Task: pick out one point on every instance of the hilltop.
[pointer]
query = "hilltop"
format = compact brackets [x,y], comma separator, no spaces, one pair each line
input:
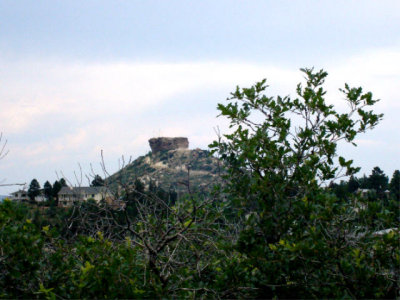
[171,165]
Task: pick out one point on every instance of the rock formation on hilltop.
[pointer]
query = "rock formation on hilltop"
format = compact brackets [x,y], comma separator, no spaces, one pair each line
[171,165]
[167,143]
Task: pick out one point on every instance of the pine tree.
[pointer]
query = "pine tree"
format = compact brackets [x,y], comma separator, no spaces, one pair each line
[34,189]
[48,190]
[378,181]
[57,185]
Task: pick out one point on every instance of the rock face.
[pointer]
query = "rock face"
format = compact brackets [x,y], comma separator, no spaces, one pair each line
[166,144]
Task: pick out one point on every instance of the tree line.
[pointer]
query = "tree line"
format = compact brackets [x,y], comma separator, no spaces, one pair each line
[50,192]
[377,185]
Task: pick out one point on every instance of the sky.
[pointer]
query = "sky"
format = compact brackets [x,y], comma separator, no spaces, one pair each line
[81,77]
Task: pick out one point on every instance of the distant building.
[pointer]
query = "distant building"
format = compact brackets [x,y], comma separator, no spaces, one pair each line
[19,196]
[22,196]
[67,196]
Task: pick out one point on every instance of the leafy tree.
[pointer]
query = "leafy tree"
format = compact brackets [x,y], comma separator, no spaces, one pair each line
[273,159]
[34,189]
[48,190]
[395,185]
[378,181]
[97,181]
[295,238]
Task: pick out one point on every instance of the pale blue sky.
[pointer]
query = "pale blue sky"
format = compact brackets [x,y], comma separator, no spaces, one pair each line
[257,31]
[80,76]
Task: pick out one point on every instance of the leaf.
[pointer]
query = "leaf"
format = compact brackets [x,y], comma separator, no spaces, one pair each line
[187,223]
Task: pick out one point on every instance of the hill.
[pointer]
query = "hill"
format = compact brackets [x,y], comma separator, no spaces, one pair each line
[171,165]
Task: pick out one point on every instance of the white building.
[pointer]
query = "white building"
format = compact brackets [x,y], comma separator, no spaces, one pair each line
[19,196]
[22,196]
[67,196]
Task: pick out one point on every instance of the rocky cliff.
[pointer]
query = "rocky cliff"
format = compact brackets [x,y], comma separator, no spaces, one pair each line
[167,143]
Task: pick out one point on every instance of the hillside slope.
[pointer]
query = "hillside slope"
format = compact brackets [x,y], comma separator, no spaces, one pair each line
[171,166]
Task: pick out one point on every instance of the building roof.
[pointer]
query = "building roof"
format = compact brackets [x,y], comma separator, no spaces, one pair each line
[66,190]
[17,192]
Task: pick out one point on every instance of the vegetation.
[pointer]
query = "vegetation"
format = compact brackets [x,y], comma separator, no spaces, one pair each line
[279,226]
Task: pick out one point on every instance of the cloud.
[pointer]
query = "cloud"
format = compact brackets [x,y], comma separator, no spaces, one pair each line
[80,92]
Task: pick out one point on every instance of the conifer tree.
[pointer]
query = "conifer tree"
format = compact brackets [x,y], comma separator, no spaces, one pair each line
[48,190]
[34,189]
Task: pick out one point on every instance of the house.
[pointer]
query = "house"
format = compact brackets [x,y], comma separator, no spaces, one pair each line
[20,196]
[67,196]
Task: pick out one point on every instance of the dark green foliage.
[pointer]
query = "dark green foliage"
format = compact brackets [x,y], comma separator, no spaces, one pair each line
[341,190]
[35,263]
[63,182]
[34,189]
[48,190]
[39,262]
[395,185]
[97,181]
[372,186]
[378,181]
[364,182]
[56,188]
[21,246]
[57,185]
[353,184]
[135,194]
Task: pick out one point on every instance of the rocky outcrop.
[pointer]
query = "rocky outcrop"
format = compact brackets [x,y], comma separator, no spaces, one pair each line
[172,170]
[166,144]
